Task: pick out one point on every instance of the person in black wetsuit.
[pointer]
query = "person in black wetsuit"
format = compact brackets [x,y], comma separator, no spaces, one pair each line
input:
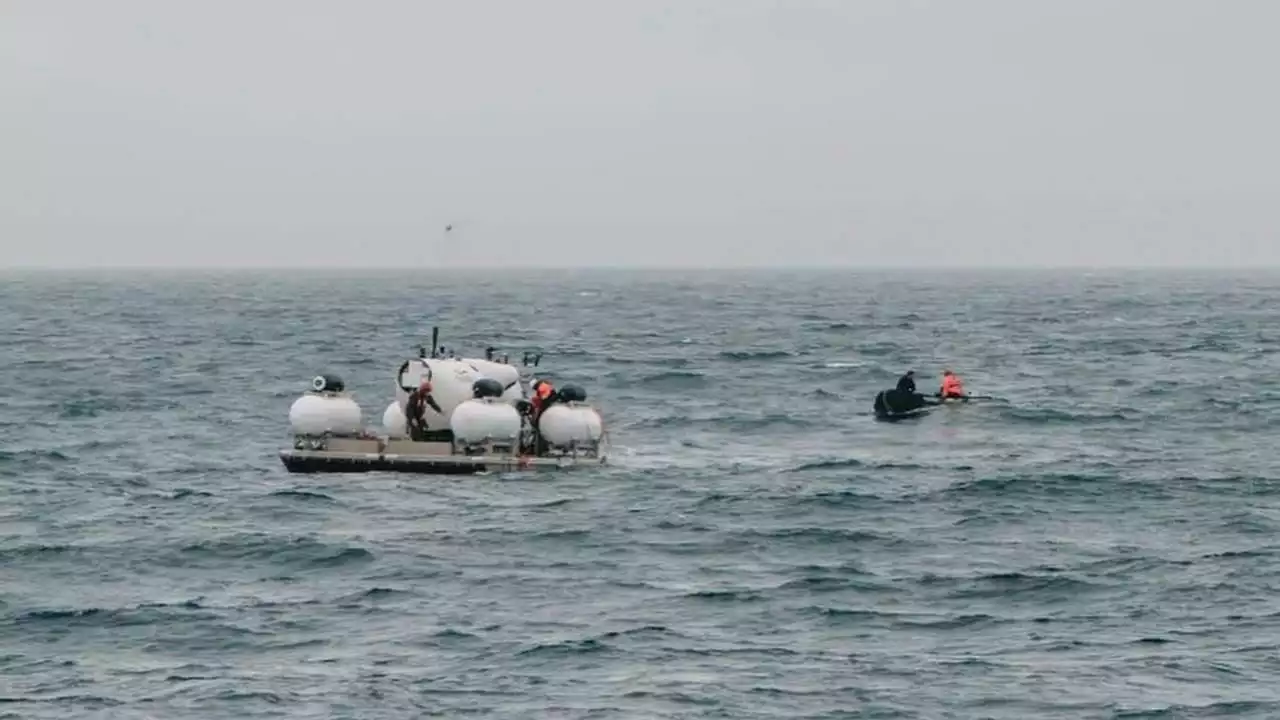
[904,397]
[415,411]
[907,383]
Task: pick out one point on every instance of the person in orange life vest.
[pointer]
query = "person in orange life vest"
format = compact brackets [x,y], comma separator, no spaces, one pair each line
[951,386]
[543,395]
[415,410]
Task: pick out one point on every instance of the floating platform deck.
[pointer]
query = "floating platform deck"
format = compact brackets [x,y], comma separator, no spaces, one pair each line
[360,455]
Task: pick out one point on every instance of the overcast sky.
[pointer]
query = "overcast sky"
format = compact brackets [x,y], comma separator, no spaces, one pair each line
[645,132]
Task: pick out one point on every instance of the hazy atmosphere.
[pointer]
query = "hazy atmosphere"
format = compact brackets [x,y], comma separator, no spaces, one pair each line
[681,133]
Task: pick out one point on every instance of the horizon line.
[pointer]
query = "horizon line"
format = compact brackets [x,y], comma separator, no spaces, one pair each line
[311,269]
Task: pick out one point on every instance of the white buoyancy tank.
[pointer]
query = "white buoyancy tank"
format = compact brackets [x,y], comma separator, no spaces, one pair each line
[317,414]
[476,421]
[393,421]
[513,395]
[506,374]
[451,382]
[571,424]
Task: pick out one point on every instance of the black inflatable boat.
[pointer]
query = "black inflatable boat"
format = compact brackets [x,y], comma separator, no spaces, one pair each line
[892,405]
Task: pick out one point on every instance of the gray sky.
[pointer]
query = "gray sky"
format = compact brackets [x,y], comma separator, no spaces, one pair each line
[607,132]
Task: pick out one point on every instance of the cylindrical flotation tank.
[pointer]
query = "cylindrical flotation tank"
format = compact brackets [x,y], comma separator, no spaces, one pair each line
[503,373]
[451,382]
[393,421]
[314,414]
[477,421]
[513,394]
[572,424]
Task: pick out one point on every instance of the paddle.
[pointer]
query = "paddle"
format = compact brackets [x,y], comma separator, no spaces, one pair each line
[967,398]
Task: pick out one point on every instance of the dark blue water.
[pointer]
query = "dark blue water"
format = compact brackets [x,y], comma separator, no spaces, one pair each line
[1102,545]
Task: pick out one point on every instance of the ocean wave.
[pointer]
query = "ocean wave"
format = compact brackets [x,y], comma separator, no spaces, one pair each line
[589,646]
[283,551]
[824,536]
[1013,585]
[726,595]
[303,495]
[65,619]
[1053,484]
[755,355]
[15,456]
[1224,709]
[665,361]
[1052,416]
[727,423]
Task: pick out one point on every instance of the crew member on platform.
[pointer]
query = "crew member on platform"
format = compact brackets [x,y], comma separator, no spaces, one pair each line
[544,393]
[415,410]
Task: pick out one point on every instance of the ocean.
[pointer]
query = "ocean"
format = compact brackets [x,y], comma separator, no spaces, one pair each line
[1100,543]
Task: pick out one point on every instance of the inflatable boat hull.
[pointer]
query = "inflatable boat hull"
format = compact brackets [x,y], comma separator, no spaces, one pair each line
[905,415]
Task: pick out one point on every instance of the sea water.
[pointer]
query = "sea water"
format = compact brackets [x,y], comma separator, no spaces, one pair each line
[1099,543]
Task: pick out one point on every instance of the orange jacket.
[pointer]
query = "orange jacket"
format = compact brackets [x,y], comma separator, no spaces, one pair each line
[951,386]
[540,396]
